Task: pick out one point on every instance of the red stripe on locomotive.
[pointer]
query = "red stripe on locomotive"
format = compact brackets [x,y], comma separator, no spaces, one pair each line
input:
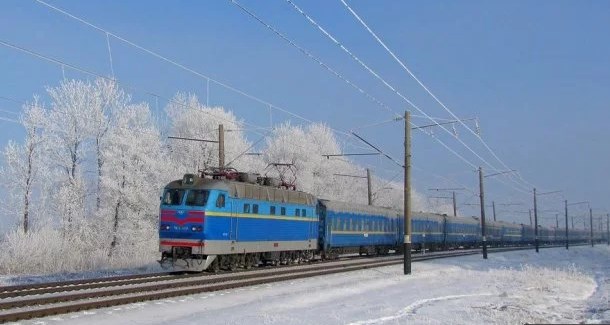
[192,217]
[181,243]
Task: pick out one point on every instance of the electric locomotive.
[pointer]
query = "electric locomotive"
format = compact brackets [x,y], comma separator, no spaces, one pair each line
[221,219]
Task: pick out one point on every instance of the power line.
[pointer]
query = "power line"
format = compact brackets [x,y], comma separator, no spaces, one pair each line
[317,60]
[371,71]
[419,81]
[182,66]
[108,33]
[155,54]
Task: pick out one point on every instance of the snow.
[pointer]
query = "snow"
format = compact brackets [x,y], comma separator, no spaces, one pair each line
[554,286]
[10,280]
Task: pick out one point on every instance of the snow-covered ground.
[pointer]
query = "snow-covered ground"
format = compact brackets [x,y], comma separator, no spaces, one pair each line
[554,286]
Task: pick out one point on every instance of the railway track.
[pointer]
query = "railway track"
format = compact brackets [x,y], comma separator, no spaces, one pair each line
[40,300]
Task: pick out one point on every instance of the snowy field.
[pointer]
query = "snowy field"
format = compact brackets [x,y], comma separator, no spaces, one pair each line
[555,286]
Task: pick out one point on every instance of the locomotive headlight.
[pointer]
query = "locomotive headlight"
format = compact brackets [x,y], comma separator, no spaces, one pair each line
[197,228]
[164,227]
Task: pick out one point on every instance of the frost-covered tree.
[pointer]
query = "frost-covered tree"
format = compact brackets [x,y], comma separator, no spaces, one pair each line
[23,166]
[74,107]
[113,99]
[131,176]
[191,119]
[304,147]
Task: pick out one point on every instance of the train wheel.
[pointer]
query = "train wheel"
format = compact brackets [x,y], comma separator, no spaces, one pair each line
[215,267]
[248,261]
[232,262]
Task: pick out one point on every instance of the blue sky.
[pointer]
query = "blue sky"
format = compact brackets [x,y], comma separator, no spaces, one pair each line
[535,73]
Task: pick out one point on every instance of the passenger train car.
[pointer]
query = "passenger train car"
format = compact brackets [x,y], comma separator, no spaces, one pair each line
[225,220]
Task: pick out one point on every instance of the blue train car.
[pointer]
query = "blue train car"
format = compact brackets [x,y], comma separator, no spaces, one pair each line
[511,233]
[356,228]
[493,233]
[222,224]
[500,233]
[545,235]
[428,230]
[462,232]
[527,234]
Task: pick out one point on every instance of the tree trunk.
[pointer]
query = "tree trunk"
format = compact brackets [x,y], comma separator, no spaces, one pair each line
[26,195]
[115,227]
[99,174]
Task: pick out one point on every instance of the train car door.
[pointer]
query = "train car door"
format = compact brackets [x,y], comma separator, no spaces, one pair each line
[323,227]
[234,207]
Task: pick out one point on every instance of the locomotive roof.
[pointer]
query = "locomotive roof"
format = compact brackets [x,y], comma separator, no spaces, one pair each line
[247,190]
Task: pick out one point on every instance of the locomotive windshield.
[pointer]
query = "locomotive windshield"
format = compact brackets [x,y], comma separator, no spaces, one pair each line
[172,197]
[197,197]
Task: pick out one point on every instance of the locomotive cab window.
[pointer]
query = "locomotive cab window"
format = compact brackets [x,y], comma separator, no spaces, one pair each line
[304,214]
[172,197]
[246,208]
[272,210]
[297,212]
[283,211]
[220,201]
[255,208]
[197,198]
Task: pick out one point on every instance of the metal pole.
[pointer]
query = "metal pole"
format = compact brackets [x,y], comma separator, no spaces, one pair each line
[407,195]
[368,181]
[493,204]
[221,146]
[567,239]
[482,197]
[572,217]
[591,224]
[454,206]
[556,221]
[531,222]
[535,221]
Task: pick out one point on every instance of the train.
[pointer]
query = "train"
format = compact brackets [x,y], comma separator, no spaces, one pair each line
[221,219]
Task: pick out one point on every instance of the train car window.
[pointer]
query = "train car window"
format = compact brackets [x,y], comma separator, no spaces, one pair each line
[272,210]
[255,208]
[351,225]
[173,197]
[246,208]
[297,212]
[220,201]
[283,211]
[304,214]
[197,197]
